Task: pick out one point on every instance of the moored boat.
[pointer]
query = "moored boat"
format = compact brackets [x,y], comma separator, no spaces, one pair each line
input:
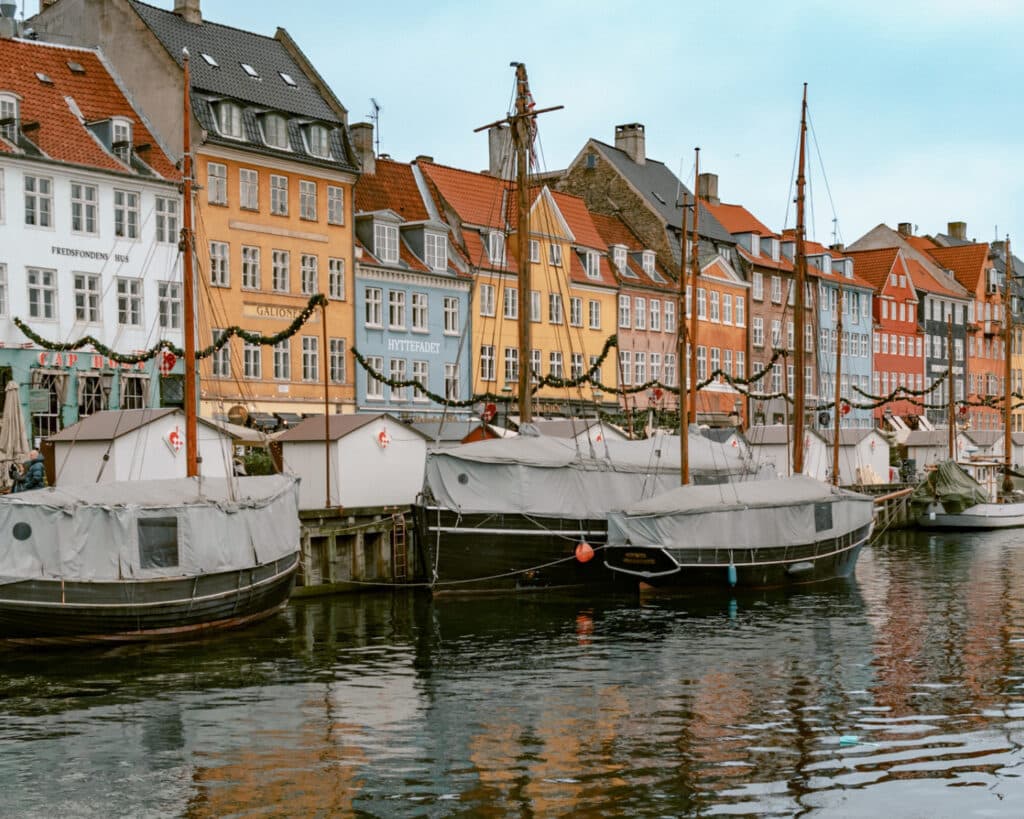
[145,560]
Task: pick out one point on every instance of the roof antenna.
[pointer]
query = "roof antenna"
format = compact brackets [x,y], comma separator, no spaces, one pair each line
[375,119]
[835,230]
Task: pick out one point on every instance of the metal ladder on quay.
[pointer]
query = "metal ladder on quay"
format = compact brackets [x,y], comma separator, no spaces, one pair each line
[399,548]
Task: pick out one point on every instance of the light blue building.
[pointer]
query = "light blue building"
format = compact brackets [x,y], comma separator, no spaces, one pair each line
[411,296]
[839,289]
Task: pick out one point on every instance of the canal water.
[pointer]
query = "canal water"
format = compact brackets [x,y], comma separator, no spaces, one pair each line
[898,693]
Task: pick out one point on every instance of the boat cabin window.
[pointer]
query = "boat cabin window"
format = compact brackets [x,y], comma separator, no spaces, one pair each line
[158,543]
[822,517]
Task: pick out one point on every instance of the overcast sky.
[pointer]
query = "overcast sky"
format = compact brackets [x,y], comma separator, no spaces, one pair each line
[916,105]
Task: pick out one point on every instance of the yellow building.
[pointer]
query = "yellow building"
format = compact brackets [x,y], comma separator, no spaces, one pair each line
[572,304]
[275,169]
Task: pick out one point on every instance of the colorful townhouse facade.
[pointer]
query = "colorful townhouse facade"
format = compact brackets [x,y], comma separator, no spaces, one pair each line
[411,294]
[898,345]
[941,311]
[572,290]
[973,268]
[841,297]
[89,230]
[648,303]
[276,170]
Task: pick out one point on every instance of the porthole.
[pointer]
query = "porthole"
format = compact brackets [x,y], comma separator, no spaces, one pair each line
[463,478]
[22,531]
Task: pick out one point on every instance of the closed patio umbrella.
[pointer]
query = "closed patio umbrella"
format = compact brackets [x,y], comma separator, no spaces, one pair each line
[13,442]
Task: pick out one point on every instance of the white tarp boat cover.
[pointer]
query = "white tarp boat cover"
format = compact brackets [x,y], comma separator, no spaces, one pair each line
[775,512]
[553,477]
[93,532]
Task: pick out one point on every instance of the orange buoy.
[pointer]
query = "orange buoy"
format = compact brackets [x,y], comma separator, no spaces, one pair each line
[584,552]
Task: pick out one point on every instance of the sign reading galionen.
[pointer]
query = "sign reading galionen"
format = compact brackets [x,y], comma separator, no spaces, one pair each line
[278,312]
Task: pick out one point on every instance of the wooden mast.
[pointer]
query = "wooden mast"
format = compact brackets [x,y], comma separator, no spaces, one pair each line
[837,412]
[694,277]
[188,275]
[521,124]
[684,363]
[1007,374]
[800,273]
[951,383]
[520,138]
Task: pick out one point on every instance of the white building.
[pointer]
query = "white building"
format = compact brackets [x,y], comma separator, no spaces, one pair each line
[374,460]
[863,453]
[134,445]
[89,226]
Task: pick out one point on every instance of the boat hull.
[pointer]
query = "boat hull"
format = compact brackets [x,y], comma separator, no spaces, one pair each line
[980,517]
[473,553]
[744,567]
[54,612]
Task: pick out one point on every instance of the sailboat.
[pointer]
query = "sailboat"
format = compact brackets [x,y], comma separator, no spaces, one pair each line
[530,512]
[758,533]
[151,559]
[951,499]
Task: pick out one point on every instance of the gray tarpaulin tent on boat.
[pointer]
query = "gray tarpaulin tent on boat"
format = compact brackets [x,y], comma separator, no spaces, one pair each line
[734,514]
[553,477]
[94,532]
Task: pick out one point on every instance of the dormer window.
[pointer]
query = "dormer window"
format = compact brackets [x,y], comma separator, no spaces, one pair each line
[592,263]
[275,131]
[385,242]
[619,257]
[647,262]
[9,117]
[318,140]
[435,251]
[121,139]
[229,120]
[496,247]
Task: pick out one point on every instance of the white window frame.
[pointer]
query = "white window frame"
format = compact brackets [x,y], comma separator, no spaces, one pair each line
[418,312]
[555,254]
[625,311]
[510,303]
[373,302]
[278,195]
[166,211]
[310,358]
[556,315]
[38,200]
[421,375]
[129,301]
[216,183]
[396,309]
[451,315]
[126,214]
[486,299]
[42,293]
[435,250]
[220,361]
[283,360]
[309,267]
[274,128]
[229,120]
[248,189]
[594,310]
[250,267]
[385,242]
[280,270]
[575,311]
[88,297]
[85,209]
[169,305]
[307,200]
[252,361]
[220,264]
[337,369]
[487,363]
[335,205]
[336,278]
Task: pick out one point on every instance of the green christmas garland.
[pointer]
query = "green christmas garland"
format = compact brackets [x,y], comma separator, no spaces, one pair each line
[319,300]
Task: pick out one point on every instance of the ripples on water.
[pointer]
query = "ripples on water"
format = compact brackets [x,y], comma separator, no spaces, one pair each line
[900,693]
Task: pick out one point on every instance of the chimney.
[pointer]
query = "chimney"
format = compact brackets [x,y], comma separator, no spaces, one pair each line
[424,158]
[707,188]
[499,152]
[630,139]
[9,26]
[188,10]
[838,247]
[362,141]
[905,229]
[958,230]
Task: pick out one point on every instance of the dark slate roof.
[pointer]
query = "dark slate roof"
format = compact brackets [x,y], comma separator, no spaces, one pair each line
[664,192]
[231,47]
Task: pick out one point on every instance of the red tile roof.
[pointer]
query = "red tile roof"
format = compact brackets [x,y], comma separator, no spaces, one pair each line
[578,217]
[874,265]
[477,198]
[967,262]
[765,260]
[61,134]
[391,187]
[616,232]
[920,243]
[737,219]
[923,280]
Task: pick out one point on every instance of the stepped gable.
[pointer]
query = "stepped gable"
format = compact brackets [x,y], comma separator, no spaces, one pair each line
[50,90]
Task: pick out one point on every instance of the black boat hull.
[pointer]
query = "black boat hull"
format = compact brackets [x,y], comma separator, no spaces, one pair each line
[741,567]
[474,553]
[54,612]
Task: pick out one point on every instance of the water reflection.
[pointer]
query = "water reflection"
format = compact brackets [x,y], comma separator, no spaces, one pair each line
[903,690]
